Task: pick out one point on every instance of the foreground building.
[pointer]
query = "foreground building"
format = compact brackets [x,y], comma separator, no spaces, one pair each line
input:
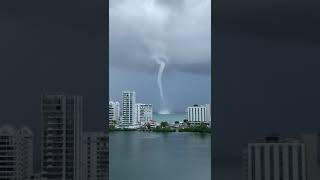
[61,117]
[275,159]
[95,156]
[312,148]
[16,153]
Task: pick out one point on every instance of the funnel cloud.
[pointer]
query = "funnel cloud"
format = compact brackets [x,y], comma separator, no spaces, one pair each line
[169,40]
[162,60]
[183,26]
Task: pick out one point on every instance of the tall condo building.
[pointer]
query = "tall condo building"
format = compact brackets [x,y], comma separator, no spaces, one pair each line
[128,108]
[144,112]
[61,128]
[114,112]
[275,159]
[198,114]
[16,153]
[95,156]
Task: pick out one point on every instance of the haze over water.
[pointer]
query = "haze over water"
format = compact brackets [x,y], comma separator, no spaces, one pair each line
[170,118]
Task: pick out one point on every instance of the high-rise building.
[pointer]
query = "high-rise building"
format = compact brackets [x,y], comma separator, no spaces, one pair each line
[197,114]
[95,156]
[61,128]
[114,112]
[275,159]
[16,153]
[144,113]
[128,108]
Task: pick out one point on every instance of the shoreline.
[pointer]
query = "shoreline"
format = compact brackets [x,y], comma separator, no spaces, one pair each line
[164,130]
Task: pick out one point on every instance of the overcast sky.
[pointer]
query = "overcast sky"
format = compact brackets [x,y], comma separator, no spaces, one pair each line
[177,29]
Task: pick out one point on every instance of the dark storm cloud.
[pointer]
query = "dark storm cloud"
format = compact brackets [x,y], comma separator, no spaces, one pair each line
[278,20]
[179,30]
[173,4]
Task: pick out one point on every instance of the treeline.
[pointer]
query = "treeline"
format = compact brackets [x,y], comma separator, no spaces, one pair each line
[199,128]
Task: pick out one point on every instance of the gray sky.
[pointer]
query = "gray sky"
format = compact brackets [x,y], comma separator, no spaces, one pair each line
[179,30]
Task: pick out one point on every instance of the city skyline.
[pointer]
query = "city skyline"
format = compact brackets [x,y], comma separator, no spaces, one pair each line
[133,114]
[179,109]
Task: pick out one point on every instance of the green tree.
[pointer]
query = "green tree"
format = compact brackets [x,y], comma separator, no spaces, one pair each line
[164,124]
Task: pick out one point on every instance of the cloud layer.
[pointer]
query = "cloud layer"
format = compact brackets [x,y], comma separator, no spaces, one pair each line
[177,29]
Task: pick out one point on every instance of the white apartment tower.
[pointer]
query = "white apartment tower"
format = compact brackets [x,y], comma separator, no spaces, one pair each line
[61,128]
[273,159]
[16,153]
[114,112]
[128,108]
[95,156]
[143,113]
[198,114]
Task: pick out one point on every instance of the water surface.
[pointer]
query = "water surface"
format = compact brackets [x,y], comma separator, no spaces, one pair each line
[159,156]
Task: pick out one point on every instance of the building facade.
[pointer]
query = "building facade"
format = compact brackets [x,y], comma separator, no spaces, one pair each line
[275,159]
[114,112]
[208,116]
[16,153]
[143,112]
[128,108]
[197,114]
[61,118]
[95,156]
[312,148]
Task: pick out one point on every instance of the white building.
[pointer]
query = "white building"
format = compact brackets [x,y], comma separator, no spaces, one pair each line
[208,116]
[128,109]
[143,112]
[198,114]
[61,128]
[114,112]
[95,156]
[274,159]
[16,153]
